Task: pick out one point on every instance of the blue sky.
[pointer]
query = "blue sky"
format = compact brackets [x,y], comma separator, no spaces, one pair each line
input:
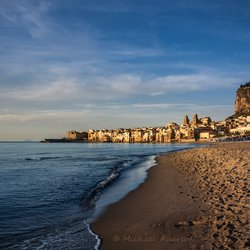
[106,64]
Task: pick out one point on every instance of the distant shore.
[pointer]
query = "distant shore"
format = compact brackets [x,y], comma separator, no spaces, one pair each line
[192,199]
[216,139]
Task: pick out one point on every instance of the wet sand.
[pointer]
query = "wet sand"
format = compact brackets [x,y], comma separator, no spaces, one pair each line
[192,199]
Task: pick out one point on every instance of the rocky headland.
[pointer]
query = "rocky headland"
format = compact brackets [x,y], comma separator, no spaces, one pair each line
[242,101]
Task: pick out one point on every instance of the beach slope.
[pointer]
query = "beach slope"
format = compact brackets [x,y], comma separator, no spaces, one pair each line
[192,199]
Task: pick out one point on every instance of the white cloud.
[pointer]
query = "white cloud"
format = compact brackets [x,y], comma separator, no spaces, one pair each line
[43,116]
[122,85]
[135,52]
[54,91]
[191,82]
[30,16]
[115,87]
[91,110]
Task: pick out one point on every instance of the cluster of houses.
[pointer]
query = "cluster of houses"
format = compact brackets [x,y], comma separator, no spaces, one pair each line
[190,131]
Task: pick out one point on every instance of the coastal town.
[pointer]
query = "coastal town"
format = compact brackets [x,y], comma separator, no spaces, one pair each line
[195,129]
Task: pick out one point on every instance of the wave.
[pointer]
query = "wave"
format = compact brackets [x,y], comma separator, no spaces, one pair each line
[98,240]
[42,158]
[94,194]
[99,159]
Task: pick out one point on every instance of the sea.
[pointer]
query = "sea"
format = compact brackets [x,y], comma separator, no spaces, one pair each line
[50,193]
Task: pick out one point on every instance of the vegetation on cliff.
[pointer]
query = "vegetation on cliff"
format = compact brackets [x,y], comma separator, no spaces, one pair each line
[247,84]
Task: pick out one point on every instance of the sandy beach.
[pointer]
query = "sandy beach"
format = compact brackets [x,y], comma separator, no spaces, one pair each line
[192,199]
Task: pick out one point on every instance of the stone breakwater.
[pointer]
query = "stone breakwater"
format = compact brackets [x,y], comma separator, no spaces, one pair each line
[221,174]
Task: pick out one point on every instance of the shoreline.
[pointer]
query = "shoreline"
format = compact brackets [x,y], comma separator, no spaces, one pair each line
[179,206]
[121,188]
[132,179]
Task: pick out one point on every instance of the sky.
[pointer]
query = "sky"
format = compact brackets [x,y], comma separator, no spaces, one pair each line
[81,64]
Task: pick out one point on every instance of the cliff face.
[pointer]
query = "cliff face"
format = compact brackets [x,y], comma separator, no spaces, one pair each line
[242,102]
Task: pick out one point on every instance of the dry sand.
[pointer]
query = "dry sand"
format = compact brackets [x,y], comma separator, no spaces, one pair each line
[192,199]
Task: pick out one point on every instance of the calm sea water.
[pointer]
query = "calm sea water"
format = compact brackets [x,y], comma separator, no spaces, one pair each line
[50,192]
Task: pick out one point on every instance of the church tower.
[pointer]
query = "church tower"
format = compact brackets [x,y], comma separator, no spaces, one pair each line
[195,120]
[186,120]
